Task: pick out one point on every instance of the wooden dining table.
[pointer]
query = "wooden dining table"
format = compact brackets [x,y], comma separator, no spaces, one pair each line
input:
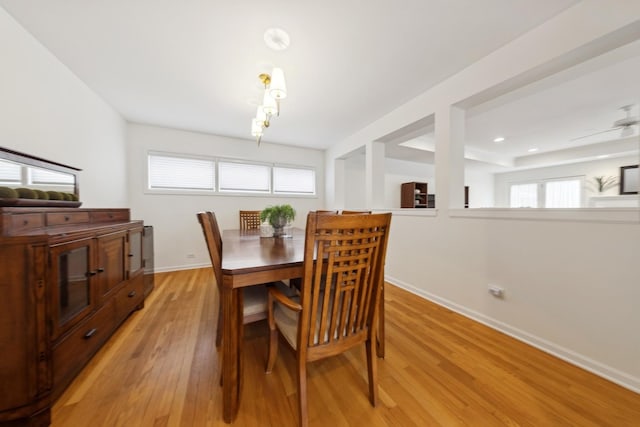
[249,260]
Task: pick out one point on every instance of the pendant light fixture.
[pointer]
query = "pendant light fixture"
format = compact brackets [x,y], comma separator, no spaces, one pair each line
[275,87]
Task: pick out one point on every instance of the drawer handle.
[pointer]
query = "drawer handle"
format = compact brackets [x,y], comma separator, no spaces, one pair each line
[66,218]
[130,255]
[91,333]
[132,294]
[100,270]
[91,273]
[25,222]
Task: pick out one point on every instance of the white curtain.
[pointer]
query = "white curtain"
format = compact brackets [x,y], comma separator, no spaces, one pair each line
[562,194]
[524,196]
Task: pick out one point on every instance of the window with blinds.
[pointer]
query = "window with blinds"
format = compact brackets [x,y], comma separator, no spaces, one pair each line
[181,173]
[294,181]
[43,176]
[244,177]
[190,173]
[10,173]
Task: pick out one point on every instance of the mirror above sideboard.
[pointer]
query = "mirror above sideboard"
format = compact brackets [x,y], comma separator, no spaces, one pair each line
[27,180]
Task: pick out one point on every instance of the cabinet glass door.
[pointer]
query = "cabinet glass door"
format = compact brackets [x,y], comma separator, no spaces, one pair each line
[135,252]
[73,283]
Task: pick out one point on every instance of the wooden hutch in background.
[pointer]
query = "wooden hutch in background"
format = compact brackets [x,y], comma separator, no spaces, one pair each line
[415,195]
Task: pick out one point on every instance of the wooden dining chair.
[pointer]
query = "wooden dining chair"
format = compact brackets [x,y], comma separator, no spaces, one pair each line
[337,307]
[254,297]
[249,220]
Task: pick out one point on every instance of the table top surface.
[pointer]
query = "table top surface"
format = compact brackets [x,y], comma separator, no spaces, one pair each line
[244,251]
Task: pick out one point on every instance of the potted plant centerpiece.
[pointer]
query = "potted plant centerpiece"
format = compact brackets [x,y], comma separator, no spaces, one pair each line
[278,216]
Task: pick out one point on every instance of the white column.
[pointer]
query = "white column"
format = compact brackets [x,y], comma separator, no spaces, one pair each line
[339,173]
[374,175]
[449,157]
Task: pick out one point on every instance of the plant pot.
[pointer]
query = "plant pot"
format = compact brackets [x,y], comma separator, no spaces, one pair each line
[278,224]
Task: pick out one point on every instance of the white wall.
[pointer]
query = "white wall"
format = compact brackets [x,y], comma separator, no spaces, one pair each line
[177,233]
[46,111]
[571,285]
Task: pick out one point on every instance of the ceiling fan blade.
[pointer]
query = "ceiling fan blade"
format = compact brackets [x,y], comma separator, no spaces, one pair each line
[596,133]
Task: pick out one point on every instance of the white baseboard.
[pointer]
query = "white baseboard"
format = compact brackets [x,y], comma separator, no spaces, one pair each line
[181,267]
[621,378]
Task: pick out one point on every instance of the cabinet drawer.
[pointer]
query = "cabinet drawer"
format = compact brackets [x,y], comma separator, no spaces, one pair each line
[74,351]
[107,216]
[62,218]
[26,222]
[129,297]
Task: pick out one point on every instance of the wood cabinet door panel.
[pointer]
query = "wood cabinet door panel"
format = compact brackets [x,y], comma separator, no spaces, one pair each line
[135,264]
[72,290]
[111,265]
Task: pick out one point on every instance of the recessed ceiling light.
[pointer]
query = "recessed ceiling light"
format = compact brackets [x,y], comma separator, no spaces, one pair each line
[532,150]
[498,139]
[603,156]
[277,38]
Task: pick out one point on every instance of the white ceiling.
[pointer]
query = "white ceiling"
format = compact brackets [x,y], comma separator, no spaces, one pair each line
[193,64]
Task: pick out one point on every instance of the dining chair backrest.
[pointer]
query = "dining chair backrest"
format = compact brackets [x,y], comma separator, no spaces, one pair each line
[249,220]
[213,239]
[340,294]
[346,212]
[255,297]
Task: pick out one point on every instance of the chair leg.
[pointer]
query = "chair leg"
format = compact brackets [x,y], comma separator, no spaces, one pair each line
[219,328]
[273,350]
[372,370]
[219,339]
[302,392]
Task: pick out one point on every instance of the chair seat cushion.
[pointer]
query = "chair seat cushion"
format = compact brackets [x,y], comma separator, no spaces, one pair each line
[255,300]
[287,321]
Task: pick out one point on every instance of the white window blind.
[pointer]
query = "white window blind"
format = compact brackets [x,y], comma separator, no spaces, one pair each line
[42,176]
[10,172]
[244,177]
[524,195]
[562,193]
[294,180]
[168,172]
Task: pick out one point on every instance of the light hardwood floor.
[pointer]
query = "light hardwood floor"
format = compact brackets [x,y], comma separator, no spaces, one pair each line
[441,369]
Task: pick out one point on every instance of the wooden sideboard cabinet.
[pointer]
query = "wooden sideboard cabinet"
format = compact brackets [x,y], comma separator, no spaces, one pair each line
[68,278]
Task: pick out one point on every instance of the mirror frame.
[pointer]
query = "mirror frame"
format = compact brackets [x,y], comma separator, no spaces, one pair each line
[629,183]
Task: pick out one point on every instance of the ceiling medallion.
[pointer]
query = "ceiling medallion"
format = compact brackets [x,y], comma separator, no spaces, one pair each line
[276,39]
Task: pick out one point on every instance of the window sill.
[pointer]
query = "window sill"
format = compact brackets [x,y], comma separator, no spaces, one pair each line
[615,215]
[411,211]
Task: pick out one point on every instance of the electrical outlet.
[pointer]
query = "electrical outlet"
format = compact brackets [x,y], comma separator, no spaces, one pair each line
[191,256]
[496,291]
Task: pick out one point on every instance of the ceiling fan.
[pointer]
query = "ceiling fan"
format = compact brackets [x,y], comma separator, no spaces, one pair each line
[625,125]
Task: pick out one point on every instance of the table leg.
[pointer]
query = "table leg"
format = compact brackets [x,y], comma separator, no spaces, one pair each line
[231,368]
